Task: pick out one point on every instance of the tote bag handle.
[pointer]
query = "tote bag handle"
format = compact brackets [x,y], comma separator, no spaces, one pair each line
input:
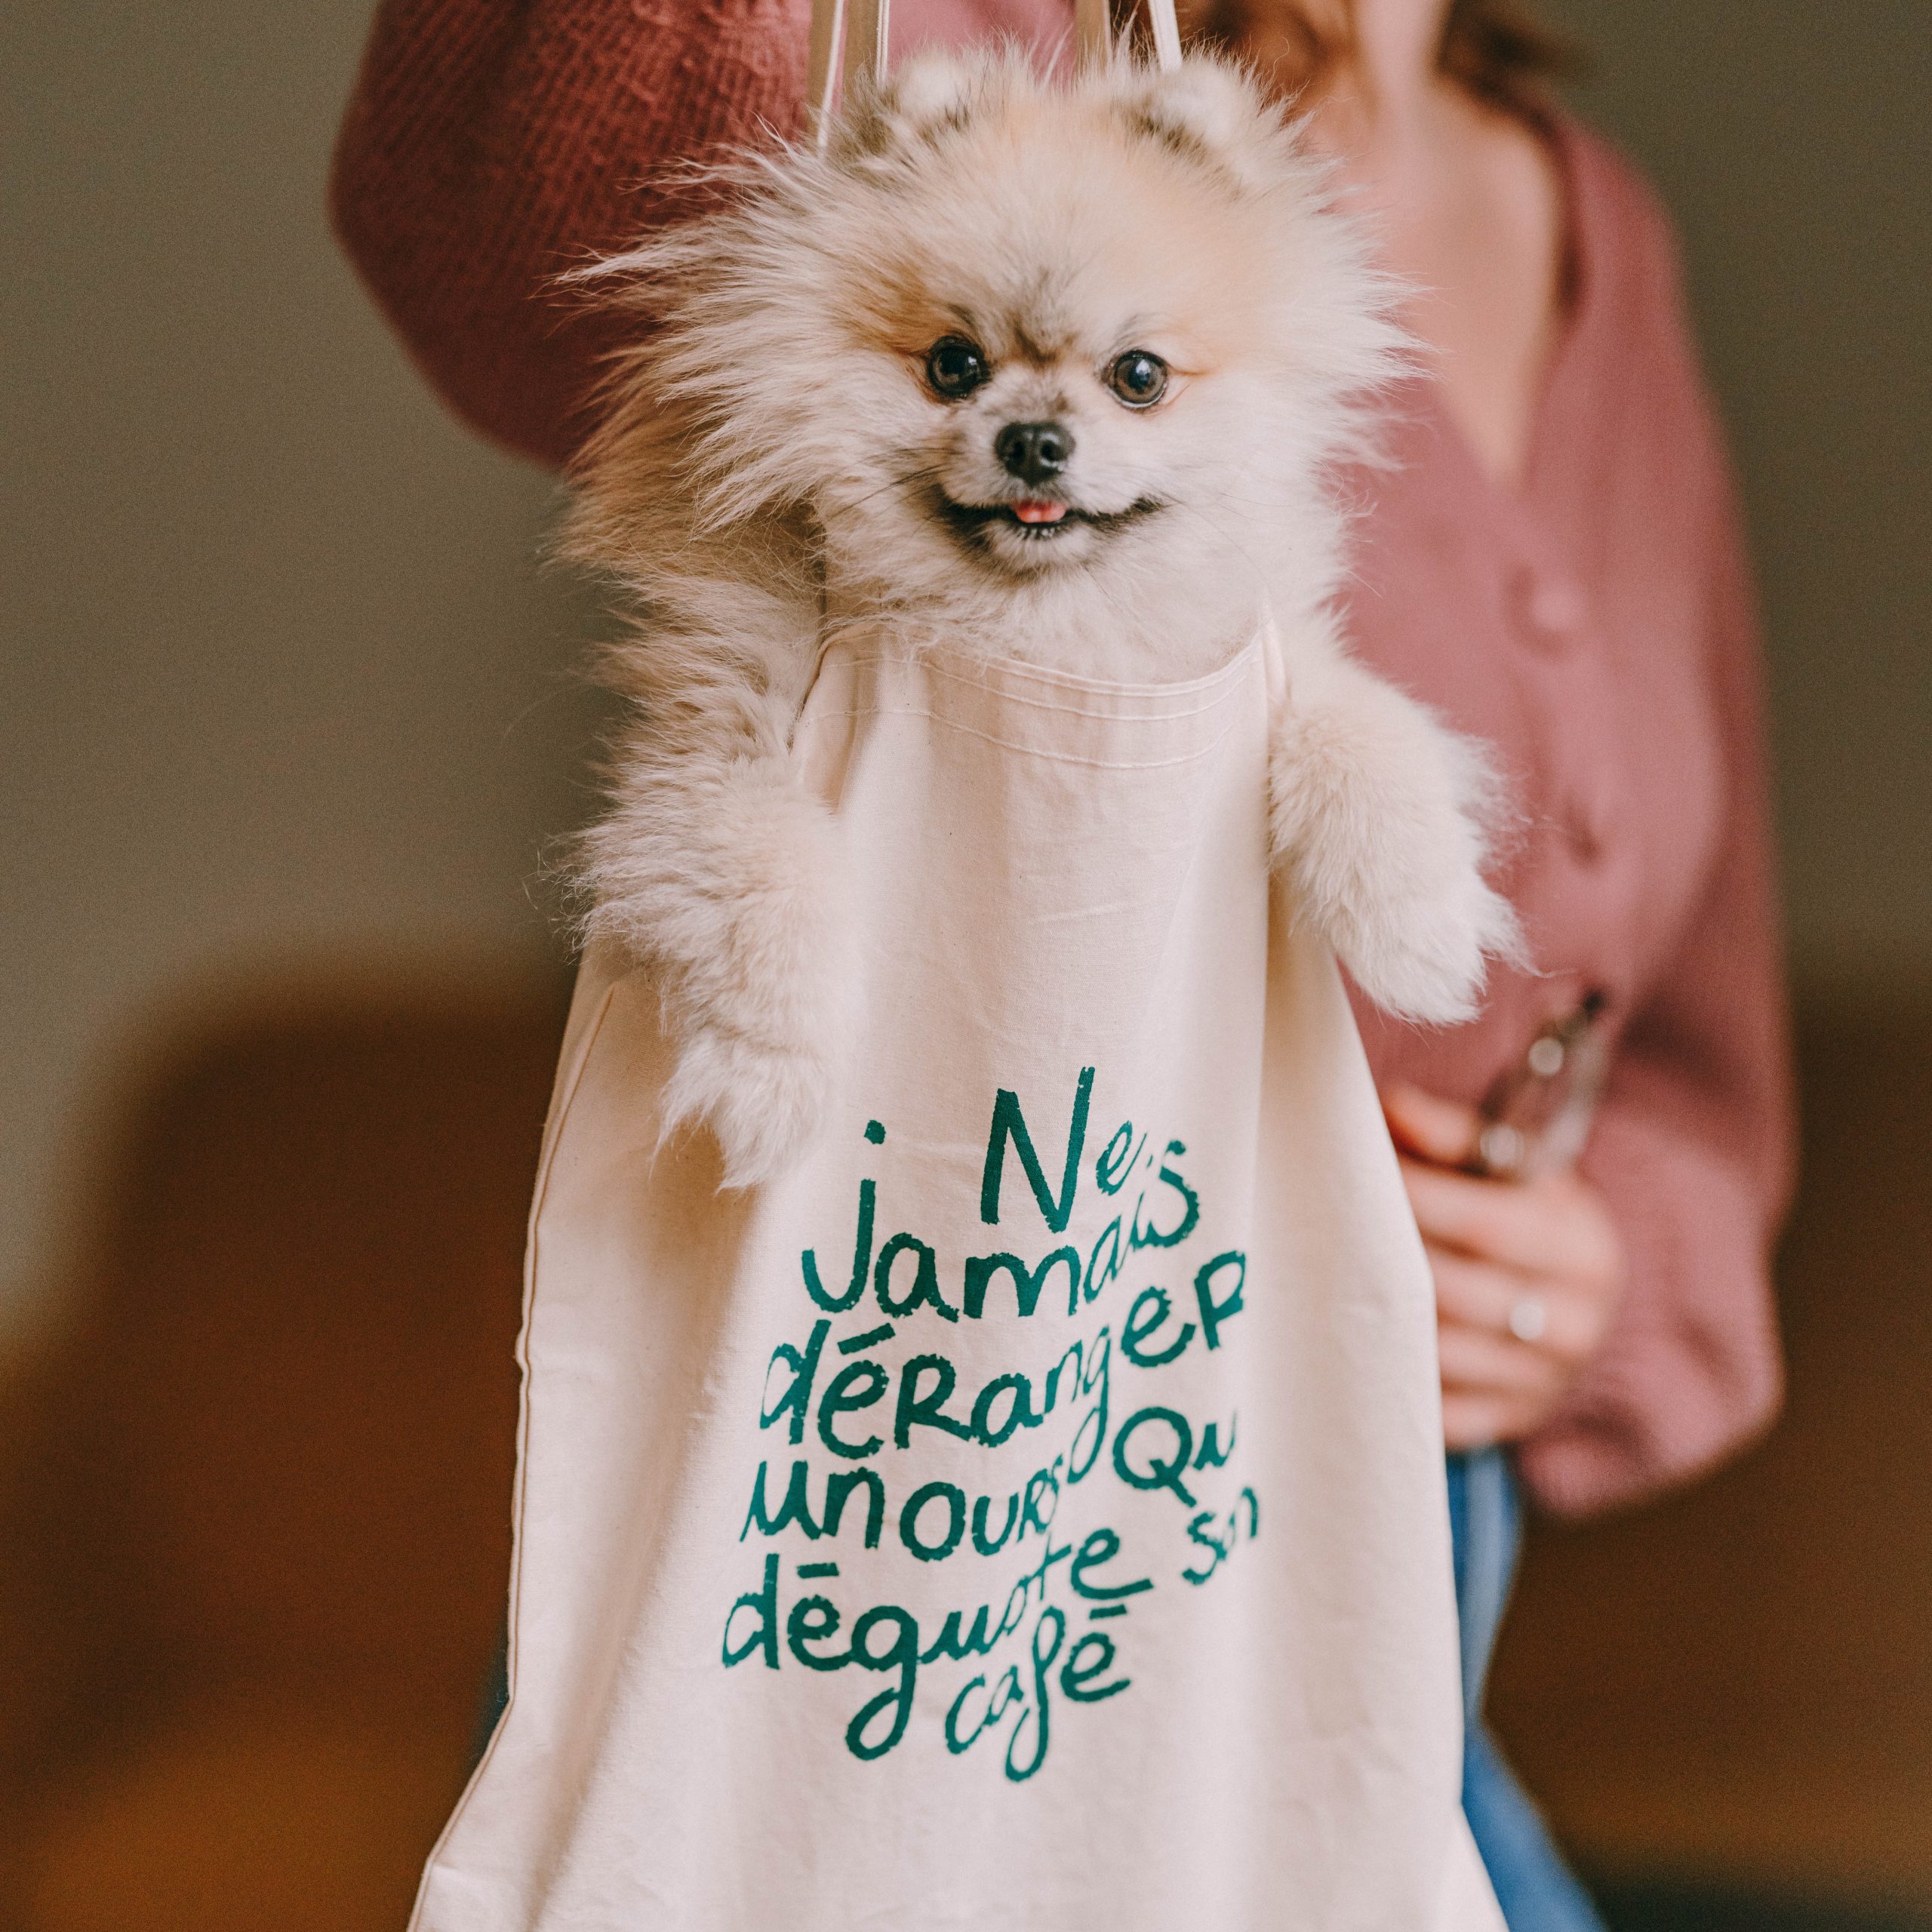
[1094,32]
[861,26]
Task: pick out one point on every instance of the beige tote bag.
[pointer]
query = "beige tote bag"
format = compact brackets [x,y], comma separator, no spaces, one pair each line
[1028,1515]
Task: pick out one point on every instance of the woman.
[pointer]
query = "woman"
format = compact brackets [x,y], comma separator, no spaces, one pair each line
[1552,562]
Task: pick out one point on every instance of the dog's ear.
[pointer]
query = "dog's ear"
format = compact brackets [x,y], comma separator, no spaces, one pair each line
[930,95]
[1212,111]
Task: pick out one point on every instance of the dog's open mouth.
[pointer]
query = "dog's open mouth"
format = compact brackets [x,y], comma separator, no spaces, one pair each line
[1038,511]
[1037,519]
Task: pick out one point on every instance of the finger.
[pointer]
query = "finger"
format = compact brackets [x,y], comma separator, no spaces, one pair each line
[1478,1294]
[1478,1422]
[1476,1361]
[1499,1221]
[1426,1125]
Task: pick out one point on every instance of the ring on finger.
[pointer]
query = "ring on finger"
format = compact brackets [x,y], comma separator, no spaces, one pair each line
[1529,1318]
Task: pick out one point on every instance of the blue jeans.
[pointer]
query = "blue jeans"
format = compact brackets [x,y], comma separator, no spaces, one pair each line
[1533,1886]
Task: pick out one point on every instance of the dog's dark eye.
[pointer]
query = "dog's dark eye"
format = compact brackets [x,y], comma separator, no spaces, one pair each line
[956,367]
[1138,378]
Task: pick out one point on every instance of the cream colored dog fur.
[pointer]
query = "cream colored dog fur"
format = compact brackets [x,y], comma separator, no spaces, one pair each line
[1055,371]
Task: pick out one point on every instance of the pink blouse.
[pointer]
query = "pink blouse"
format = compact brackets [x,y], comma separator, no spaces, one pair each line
[1595,626]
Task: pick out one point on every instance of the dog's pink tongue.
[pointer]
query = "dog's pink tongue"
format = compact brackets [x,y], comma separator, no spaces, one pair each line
[1031,512]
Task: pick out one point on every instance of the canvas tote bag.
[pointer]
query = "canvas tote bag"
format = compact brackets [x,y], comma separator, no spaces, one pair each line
[1028,1515]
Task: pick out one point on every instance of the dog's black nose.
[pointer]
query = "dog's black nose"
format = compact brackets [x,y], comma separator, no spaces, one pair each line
[1034,452]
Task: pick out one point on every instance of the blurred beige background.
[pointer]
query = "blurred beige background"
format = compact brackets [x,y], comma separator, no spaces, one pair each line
[283,680]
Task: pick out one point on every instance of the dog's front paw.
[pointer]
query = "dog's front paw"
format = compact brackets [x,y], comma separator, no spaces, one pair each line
[1380,823]
[762,1028]
[1421,950]
[730,893]
[763,1004]
[765,1103]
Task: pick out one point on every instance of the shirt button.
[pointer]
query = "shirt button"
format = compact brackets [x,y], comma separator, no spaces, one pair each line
[1586,826]
[1553,607]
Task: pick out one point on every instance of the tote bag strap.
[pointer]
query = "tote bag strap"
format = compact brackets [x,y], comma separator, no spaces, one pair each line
[1094,32]
[861,25]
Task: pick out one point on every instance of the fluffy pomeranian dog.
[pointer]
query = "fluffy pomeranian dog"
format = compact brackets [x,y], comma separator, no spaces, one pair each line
[1058,370]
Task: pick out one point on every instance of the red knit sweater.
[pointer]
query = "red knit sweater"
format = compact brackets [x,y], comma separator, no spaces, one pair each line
[1594,627]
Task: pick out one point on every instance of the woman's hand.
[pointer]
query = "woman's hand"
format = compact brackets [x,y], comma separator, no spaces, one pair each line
[1528,1274]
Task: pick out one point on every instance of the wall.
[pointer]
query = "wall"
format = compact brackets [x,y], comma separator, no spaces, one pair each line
[1790,142]
[283,677]
[282,680]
